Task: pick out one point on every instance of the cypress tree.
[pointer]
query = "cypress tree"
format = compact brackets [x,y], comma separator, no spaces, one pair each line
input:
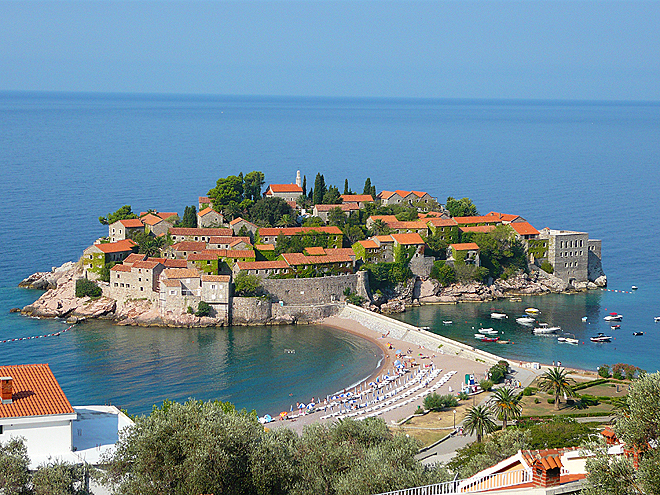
[346,189]
[304,185]
[367,186]
[319,189]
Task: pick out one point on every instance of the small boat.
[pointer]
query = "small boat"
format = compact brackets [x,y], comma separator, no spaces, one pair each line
[634,287]
[656,319]
[638,333]
[584,318]
[504,342]
[447,322]
[544,328]
[568,338]
[479,336]
[601,337]
[498,316]
[526,320]
[516,299]
[613,317]
[488,331]
[615,327]
[532,311]
[490,339]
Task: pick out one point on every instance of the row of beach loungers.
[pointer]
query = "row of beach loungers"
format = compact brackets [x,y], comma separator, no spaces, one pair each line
[399,397]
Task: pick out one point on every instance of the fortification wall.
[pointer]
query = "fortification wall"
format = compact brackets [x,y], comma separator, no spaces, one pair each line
[414,335]
[305,314]
[250,311]
[319,290]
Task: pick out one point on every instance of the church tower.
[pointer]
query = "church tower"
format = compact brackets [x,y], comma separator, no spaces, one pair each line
[298,179]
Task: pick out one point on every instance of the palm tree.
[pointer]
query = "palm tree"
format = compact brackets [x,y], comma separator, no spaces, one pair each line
[557,382]
[505,404]
[478,421]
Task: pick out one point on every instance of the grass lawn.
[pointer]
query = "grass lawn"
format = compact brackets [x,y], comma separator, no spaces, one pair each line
[433,426]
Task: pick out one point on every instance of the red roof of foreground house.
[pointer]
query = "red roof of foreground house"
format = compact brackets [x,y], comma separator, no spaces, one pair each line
[384,218]
[132,223]
[174,273]
[548,458]
[121,268]
[264,247]
[478,228]
[261,265]
[117,247]
[315,251]
[369,244]
[35,392]
[385,194]
[478,219]
[147,265]
[284,188]
[408,239]
[199,231]
[239,219]
[169,263]
[150,219]
[356,198]
[524,228]
[383,238]
[441,222]
[294,259]
[205,211]
[240,253]
[505,217]
[189,246]
[465,246]
[134,257]
[298,230]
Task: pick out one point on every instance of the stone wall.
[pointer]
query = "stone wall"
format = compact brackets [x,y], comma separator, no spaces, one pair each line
[421,266]
[414,335]
[305,314]
[250,311]
[318,290]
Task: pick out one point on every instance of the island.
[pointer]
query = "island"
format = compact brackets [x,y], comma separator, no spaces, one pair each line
[291,254]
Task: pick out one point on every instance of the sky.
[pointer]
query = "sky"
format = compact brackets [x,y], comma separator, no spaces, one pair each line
[502,49]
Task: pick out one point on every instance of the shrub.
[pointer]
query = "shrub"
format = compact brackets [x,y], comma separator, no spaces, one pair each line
[203,309]
[537,400]
[498,372]
[435,402]
[419,410]
[486,385]
[463,396]
[86,287]
[528,391]
[547,267]
[190,310]
[588,400]
[443,273]
[604,371]
[246,285]
[551,400]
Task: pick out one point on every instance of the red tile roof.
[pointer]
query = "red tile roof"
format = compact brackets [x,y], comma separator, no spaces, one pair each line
[117,247]
[417,224]
[294,259]
[298,230]
[216,278]
[173,273]
[548,458]
[121,268]
[478,219]
[431,214]
[133,257]
[228,240]
[384,218]
[315,251]
[35,392]
[356,198]
[204,200]
[383,238]
[341,206]
[150,219]
[419,194]
[148,265]
[465,246]
[342,251]
[239,219]
[506,217]
[189,246]
[441,222]
[369,244]
[264,247]
[408,239]
[167,214]
[199,231]
[132,223]
[284,188]
[402,193]
[385,194]
[175,263]
[171,283]
[261,265]
[240,253]
[478,228]
[524,228]
[205,211]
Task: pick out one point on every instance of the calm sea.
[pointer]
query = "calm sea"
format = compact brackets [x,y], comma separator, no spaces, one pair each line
[69,158]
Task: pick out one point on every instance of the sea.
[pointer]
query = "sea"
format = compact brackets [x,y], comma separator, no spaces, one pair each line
[68,158]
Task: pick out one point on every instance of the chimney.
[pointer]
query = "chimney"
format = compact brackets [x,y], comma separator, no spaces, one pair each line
[5,389]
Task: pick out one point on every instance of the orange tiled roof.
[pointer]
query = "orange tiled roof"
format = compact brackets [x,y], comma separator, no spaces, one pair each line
[275,231]
[383,238]
[189,246]
[149,265]
[343,251]
[478,228]
[204,200]
[173,273]
[419,194]
[356,198]
[431,214]
[171,283]
[205,211]
[239,219]
[315,251]
[199,231]
[369,244]
[465,246]
[385,194]
[441,222]
[150,219]
[384,218]
[240,253]
[132,223]
[506,217]
[167,214]
[265,247]
[402,193]
[175,263]
[284,188]
[228,240]
[417,224]
[478,219]
[548,458]
[261,265]
[133,257]
[524,228]
[121,268]
[408,239]
[341,206]
[35,392]
[216,278]
[294,259]
[117,247]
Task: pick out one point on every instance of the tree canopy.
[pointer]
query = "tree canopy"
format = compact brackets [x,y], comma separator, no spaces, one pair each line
[189,219]
[268,212]
[123,213]
[461,207]
[235,194]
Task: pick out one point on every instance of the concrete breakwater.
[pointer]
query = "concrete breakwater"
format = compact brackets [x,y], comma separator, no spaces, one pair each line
[405,332]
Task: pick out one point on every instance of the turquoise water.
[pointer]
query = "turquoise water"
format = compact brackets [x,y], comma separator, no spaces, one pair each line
[69,158]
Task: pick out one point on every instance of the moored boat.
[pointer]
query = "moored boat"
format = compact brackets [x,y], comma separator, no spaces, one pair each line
[601,337]
[498,316]
[638,333]
[447,322]
[490,339]
[615,327]
[488,331]
[656,319]
[584,318]
[568,338]
[544,328]
[613,317]
[532,311]
[526,320]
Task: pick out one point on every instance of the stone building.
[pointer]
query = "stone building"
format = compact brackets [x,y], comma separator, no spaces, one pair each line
[179,234]
[466,252]
[240,223]
[181,288]
[262,269]
[269,235]
[225,242]
[208,217]
[96,256]
[322,211]
[155,225]
[122,229]
[359,199]
[288,192]
[138,280]
[406,198]
[568,253]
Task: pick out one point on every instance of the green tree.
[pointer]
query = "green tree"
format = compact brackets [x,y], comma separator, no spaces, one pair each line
[228,192]
[268,212]
[437,246]
[407,215]
[87,288]
[246,285]
[14,463]
[189,217]
[443,273]
[304,186]
[479,422]
[435,402]
[367,186]
[252,185]
[505,404]
[461,207]
[336,217]
[319,189]
[149,244]
[58,477]
[123,213]
[557,382]
[203,309]
[332,196]
[346,188]
[380,228]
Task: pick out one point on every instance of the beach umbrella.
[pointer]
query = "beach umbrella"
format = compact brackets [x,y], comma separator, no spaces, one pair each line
[283,414]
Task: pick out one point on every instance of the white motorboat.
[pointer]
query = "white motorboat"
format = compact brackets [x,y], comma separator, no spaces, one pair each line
[526,320]
[447,322]
[568,338]
[584,318]
[488,331]
[634,287]
[532,311]
[601,337]
[544,328]
[656,319]
[479,336]
[498,316]
[613,317]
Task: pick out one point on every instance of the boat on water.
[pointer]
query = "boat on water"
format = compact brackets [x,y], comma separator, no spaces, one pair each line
[544,328]
[638,333]
[634,287]
[656,319]
[615,327]
[526,320]
[488,331]
[504,342]
[447,322]
[613,317]
[568,338]
[532,311]
[490,339]
[498,316]
[515,299]
[584,318]
[601,337]
[479,336]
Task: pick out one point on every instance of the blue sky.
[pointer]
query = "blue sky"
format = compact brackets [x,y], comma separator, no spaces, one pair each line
[608,50]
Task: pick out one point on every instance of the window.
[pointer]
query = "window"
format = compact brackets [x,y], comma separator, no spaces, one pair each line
[139,279]
[0,429]
[141,289]
[116,284]
[172,293]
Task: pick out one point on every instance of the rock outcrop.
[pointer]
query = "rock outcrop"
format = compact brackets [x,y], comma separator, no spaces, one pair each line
[51,279]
